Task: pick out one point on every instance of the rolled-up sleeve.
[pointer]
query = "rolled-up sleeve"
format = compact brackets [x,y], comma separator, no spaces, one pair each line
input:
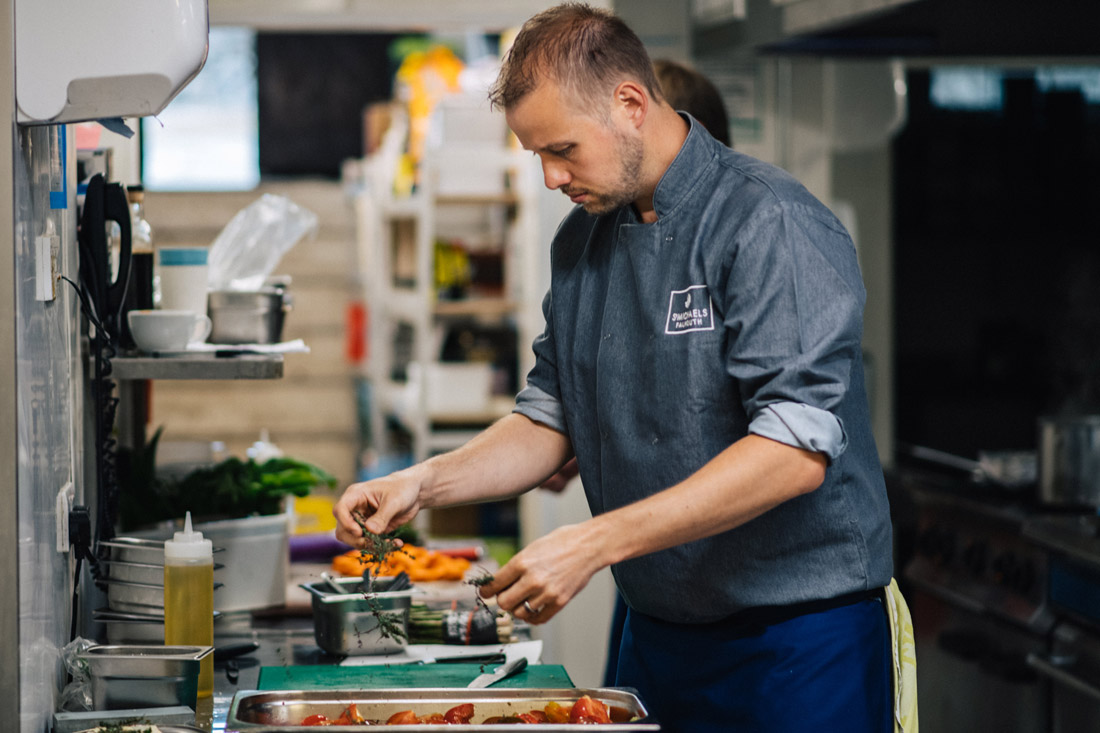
[794,302]
[801,426]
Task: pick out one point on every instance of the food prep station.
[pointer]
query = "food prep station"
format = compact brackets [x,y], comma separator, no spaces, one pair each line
[321,651]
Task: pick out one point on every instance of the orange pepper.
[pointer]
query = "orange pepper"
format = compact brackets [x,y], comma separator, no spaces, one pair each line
[421,564]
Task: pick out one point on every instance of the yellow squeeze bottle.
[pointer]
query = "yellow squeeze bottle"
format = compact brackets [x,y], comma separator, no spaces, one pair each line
[189,597]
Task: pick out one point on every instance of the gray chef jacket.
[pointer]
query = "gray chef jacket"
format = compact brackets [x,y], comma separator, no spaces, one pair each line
[738,311]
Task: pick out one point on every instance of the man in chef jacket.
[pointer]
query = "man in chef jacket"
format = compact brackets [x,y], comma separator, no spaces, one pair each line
[701,360]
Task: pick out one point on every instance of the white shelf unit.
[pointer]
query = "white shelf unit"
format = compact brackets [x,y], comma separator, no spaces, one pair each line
[397,237]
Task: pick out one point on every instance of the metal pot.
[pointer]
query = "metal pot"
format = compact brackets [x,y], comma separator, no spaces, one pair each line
[1069,460]
[247,317]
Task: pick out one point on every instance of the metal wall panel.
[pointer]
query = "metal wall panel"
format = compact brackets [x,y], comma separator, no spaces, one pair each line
[48,413]
[9,603]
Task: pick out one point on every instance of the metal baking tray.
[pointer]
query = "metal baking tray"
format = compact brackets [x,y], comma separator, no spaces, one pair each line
[281,711]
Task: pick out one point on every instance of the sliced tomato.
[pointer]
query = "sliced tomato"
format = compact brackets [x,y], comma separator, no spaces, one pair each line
[315,719]
[587,710]
[350,716]
[405,717]
[535,716]
[460,713]
[556,713]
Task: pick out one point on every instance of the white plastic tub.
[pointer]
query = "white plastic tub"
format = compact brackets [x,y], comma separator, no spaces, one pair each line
[256,557]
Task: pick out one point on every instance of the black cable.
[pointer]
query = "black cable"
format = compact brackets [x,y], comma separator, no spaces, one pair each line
[76,593]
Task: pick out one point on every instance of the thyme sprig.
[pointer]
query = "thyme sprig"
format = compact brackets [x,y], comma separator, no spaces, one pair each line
[375,550]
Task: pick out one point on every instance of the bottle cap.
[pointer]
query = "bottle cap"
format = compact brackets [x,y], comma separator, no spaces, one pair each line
[188,544]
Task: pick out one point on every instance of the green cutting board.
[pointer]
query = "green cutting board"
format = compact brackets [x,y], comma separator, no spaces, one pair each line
[372,676]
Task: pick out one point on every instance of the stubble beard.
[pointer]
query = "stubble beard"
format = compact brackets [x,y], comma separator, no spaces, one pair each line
[627,187]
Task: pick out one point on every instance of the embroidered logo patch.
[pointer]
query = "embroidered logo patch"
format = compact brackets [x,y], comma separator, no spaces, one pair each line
[689,310]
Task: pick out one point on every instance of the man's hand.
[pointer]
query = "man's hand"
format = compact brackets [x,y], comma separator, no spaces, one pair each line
[544,576]
[385,503]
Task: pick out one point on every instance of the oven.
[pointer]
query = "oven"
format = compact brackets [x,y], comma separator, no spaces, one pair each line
[1072,666]
[977,591]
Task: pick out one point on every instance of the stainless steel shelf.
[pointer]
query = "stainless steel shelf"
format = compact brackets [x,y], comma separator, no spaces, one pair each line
[198,366]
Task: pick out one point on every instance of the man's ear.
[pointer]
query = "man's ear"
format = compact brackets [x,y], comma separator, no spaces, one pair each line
[631,101]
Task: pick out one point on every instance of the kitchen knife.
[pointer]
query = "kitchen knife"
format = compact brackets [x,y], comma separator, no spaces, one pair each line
[505,670]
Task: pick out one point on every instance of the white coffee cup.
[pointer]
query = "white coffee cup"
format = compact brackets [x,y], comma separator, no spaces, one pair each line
[167,330]
[181,276]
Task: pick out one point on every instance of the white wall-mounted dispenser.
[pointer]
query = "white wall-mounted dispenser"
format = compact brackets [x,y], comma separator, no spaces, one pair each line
[77,61]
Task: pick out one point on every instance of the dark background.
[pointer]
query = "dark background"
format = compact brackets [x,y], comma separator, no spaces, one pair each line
[997,267]
[313,89]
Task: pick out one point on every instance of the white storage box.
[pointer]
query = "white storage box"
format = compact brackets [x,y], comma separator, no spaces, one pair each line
[451,388]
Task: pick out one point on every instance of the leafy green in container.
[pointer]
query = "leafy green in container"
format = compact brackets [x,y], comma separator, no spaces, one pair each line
[231,489]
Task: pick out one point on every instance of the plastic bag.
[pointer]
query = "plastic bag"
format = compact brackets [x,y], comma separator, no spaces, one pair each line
[77,694]
[250,246]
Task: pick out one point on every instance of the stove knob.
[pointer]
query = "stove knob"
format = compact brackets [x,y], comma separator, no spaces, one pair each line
[937,544]
[974,557]
[1025,577]
[1007,569]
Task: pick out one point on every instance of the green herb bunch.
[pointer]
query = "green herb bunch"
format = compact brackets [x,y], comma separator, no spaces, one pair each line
[231,489]
[376,548]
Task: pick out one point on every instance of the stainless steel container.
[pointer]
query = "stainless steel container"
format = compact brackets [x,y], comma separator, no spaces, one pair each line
[1069,461]
[247,317]
[283,711]
[347,624]
[144,676]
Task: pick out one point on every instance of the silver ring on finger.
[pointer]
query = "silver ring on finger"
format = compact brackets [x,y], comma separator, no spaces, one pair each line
[532,611]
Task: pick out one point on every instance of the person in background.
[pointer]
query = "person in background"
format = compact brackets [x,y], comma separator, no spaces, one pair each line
[701,360]
[687,90]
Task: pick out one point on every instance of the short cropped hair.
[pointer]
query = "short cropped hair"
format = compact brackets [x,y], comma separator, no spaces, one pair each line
[587,51]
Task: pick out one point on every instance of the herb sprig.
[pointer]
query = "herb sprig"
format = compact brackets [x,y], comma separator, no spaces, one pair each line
[375,551]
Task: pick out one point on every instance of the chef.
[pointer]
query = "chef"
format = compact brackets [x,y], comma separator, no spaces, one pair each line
[701,359]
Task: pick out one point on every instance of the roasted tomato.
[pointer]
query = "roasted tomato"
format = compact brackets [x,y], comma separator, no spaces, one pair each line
[587,710]
[405,717]
[434,719]
[535,716]
[555,713]
[460,714]
[315,719]
[350,716]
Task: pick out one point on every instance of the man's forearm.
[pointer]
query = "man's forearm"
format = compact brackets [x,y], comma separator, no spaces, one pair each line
[744,481]
[510,457]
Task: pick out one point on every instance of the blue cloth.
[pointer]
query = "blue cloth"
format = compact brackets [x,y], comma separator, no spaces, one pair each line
[739,310]
[820,671]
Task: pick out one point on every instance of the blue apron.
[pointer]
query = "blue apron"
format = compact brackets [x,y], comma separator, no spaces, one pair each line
[764,671]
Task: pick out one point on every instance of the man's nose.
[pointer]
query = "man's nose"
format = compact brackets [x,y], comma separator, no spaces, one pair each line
[554,175]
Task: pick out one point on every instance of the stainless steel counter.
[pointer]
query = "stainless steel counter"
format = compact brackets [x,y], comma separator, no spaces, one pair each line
[286,640]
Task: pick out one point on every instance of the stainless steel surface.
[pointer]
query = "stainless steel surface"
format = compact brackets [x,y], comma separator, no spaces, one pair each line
[1069,460]
[1073,669]
[9,445]
[1074,535]
[141,676]
[279,711]
[974,555]
[346,623]
[973,673]
[254,317]
[502,672]
[163,728]
[199,366]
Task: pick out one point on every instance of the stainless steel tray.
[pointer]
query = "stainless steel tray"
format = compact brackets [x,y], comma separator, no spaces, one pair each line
[281,711]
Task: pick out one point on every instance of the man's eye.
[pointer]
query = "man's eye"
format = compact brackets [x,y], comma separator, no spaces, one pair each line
[563,152]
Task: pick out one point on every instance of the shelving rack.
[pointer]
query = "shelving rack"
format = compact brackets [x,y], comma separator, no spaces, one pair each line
[397,237]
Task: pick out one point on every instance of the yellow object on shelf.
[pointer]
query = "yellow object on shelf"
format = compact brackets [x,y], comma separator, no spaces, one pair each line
[312,514]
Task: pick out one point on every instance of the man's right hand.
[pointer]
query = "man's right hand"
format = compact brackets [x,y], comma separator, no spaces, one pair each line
[383,503]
